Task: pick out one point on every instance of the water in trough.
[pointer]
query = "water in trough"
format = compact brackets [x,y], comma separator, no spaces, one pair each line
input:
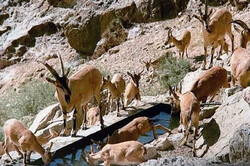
[76,158]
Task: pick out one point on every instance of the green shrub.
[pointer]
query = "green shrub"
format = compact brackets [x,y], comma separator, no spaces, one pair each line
[1,134]
[172,70]
[26,101]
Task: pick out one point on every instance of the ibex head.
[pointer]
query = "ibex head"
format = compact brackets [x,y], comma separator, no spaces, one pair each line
[175,103]
[61,82]
[105,82]
[170,36]
[47,155]
[135,77]
[245,33]
[204,18]
[147,64]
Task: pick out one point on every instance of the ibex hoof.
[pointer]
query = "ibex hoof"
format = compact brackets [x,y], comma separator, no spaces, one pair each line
[102,127]
[219,58]
[194,154]
[73,135]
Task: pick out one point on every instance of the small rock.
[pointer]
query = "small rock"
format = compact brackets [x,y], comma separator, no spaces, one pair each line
[207,112]
[246,95]
[162,143]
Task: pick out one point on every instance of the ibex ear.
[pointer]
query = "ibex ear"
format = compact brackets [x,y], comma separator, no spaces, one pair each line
[50,80]
[67,72]
[198,18]
[130,74]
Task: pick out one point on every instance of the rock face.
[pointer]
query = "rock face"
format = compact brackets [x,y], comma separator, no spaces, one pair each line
[218,131]
[84,34]
[239,145]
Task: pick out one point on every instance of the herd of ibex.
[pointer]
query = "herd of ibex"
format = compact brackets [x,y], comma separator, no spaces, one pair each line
[76,91]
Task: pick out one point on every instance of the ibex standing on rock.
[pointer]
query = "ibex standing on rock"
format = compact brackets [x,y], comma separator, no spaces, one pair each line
[23,139]
[75,92]
[214,29]
[132,90]
[190,110]
[116,87]
[181,44]
[209,83]
[240,67]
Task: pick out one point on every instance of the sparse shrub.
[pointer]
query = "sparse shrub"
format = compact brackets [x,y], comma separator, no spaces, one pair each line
[1,134]
[172,70]
[27,100]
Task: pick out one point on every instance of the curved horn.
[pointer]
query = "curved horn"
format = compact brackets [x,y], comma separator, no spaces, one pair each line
[52,71]
[62,67]
[141,72]
[240,23]
[206,9]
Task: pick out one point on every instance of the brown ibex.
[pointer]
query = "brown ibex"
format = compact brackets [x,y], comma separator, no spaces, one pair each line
[116,87]
[40,139]
[190,110]
[22,139]
[245,33]
[181,44]
[132,90]
[132,131]
[125,153]
[75,92]
[240,67]
[214,29]
[209,83]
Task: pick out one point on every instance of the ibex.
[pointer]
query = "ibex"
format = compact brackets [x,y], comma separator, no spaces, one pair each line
[181,44]
[214,29]
[245,33]
[40,139]
[116,87]
[209,83]
[132,90]
[132,131]
[23,139]
[190,110]
[240,67]
[125,153]
[75,92]
[93,115]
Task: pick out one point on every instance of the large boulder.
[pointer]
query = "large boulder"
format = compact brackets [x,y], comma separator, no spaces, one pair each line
[218,131]
[239,145]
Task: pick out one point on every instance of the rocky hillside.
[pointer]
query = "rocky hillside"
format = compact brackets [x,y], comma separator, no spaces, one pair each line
[114,35]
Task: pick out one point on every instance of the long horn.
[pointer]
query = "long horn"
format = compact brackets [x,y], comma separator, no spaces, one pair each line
[141,72]
[240,23]
[52,71]
[171,90]
[206,9]
[61,65]
[50,146]
[92,149]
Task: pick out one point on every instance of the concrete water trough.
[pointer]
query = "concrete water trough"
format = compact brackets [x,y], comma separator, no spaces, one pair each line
[97,134]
